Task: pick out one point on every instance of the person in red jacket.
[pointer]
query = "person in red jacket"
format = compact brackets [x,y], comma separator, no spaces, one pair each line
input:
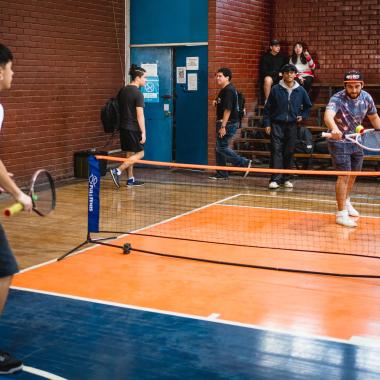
[305,65]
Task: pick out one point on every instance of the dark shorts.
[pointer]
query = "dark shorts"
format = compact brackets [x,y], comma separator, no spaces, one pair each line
[8,264]
[346,156]
[130,141]
[275,77]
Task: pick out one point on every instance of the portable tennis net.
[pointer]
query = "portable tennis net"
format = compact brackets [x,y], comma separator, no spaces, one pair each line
[180,212]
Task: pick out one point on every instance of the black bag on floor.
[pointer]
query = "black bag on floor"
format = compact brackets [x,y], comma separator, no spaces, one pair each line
[304,142]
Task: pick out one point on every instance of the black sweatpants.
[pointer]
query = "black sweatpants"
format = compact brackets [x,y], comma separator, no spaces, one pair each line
[283,140]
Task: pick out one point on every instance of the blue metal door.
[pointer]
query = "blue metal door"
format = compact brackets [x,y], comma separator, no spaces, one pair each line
[191,104]
[158,109]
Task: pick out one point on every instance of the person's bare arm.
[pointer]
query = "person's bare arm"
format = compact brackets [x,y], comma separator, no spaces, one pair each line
[336,134]
[10,186]
[375,120]
[141,121]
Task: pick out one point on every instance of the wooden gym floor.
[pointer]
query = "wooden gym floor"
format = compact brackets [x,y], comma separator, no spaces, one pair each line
[243,306]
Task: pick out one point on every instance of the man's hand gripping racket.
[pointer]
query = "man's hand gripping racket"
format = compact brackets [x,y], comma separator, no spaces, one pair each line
[41,192]
[368,139]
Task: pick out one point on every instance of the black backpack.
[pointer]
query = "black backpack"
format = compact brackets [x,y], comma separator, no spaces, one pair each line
[304,142]
[240,106]
[110,115]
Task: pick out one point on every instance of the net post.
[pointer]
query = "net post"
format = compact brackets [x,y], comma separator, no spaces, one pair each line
[93,203]
[93,195]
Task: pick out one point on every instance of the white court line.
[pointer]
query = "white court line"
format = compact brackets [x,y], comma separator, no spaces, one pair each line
[54,260]
[293,210]
[195,317]
[127,234]
[201,208]
[184,214]
[365,341]
[307,199]
[41,373]
[213,316]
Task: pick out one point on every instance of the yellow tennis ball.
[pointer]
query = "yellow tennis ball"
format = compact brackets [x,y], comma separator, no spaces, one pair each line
[359,129]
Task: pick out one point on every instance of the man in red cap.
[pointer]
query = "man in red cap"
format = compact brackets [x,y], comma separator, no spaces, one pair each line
[344,112]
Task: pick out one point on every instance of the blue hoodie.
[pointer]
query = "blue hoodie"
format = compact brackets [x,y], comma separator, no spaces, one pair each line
[284,104]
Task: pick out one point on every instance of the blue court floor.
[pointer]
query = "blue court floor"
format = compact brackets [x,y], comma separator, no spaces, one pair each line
[76,339]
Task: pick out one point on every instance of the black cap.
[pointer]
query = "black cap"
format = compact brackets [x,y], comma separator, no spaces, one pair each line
[274,42]
[353,76]
[288,67]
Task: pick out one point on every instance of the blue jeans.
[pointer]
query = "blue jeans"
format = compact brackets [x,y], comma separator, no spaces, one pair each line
[223,152]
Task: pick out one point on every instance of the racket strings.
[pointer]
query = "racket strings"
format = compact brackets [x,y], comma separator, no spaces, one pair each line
[43,193]
[370,139]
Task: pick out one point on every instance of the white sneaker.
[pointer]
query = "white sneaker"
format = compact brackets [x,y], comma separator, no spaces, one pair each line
[274,185]
[350,208]
[343,219]
[288,184]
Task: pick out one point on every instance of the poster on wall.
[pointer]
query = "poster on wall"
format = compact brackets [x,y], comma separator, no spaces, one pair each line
[192,82]
[192,63]
[151,69]
[181,75]
[151,90]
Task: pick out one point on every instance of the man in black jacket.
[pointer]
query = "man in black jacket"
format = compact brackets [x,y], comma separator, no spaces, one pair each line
[270,66]
[287,105]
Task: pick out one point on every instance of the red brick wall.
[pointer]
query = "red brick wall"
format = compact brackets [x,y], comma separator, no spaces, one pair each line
[239,32]
[341,34]
[66,65]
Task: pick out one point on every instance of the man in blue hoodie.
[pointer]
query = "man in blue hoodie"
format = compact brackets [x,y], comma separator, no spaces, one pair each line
[287,105]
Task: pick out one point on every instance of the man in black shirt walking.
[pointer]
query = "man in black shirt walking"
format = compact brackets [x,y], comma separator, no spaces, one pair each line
[227,122]
[132,126]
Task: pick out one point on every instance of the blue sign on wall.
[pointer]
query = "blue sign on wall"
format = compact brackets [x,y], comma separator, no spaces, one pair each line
[151,90]
[174,21]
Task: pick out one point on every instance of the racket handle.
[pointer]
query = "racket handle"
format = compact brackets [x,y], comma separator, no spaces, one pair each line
[326,134]
[14,209]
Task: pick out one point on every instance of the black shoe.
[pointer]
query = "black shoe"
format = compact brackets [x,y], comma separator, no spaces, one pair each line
[134,183]
[248,166]
[9,364]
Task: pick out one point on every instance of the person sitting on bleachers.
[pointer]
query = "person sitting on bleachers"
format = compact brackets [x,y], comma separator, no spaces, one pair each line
[305,65]
[270,67]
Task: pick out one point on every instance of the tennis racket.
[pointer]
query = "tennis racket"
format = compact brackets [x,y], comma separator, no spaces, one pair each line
[42,192]
[369,139]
